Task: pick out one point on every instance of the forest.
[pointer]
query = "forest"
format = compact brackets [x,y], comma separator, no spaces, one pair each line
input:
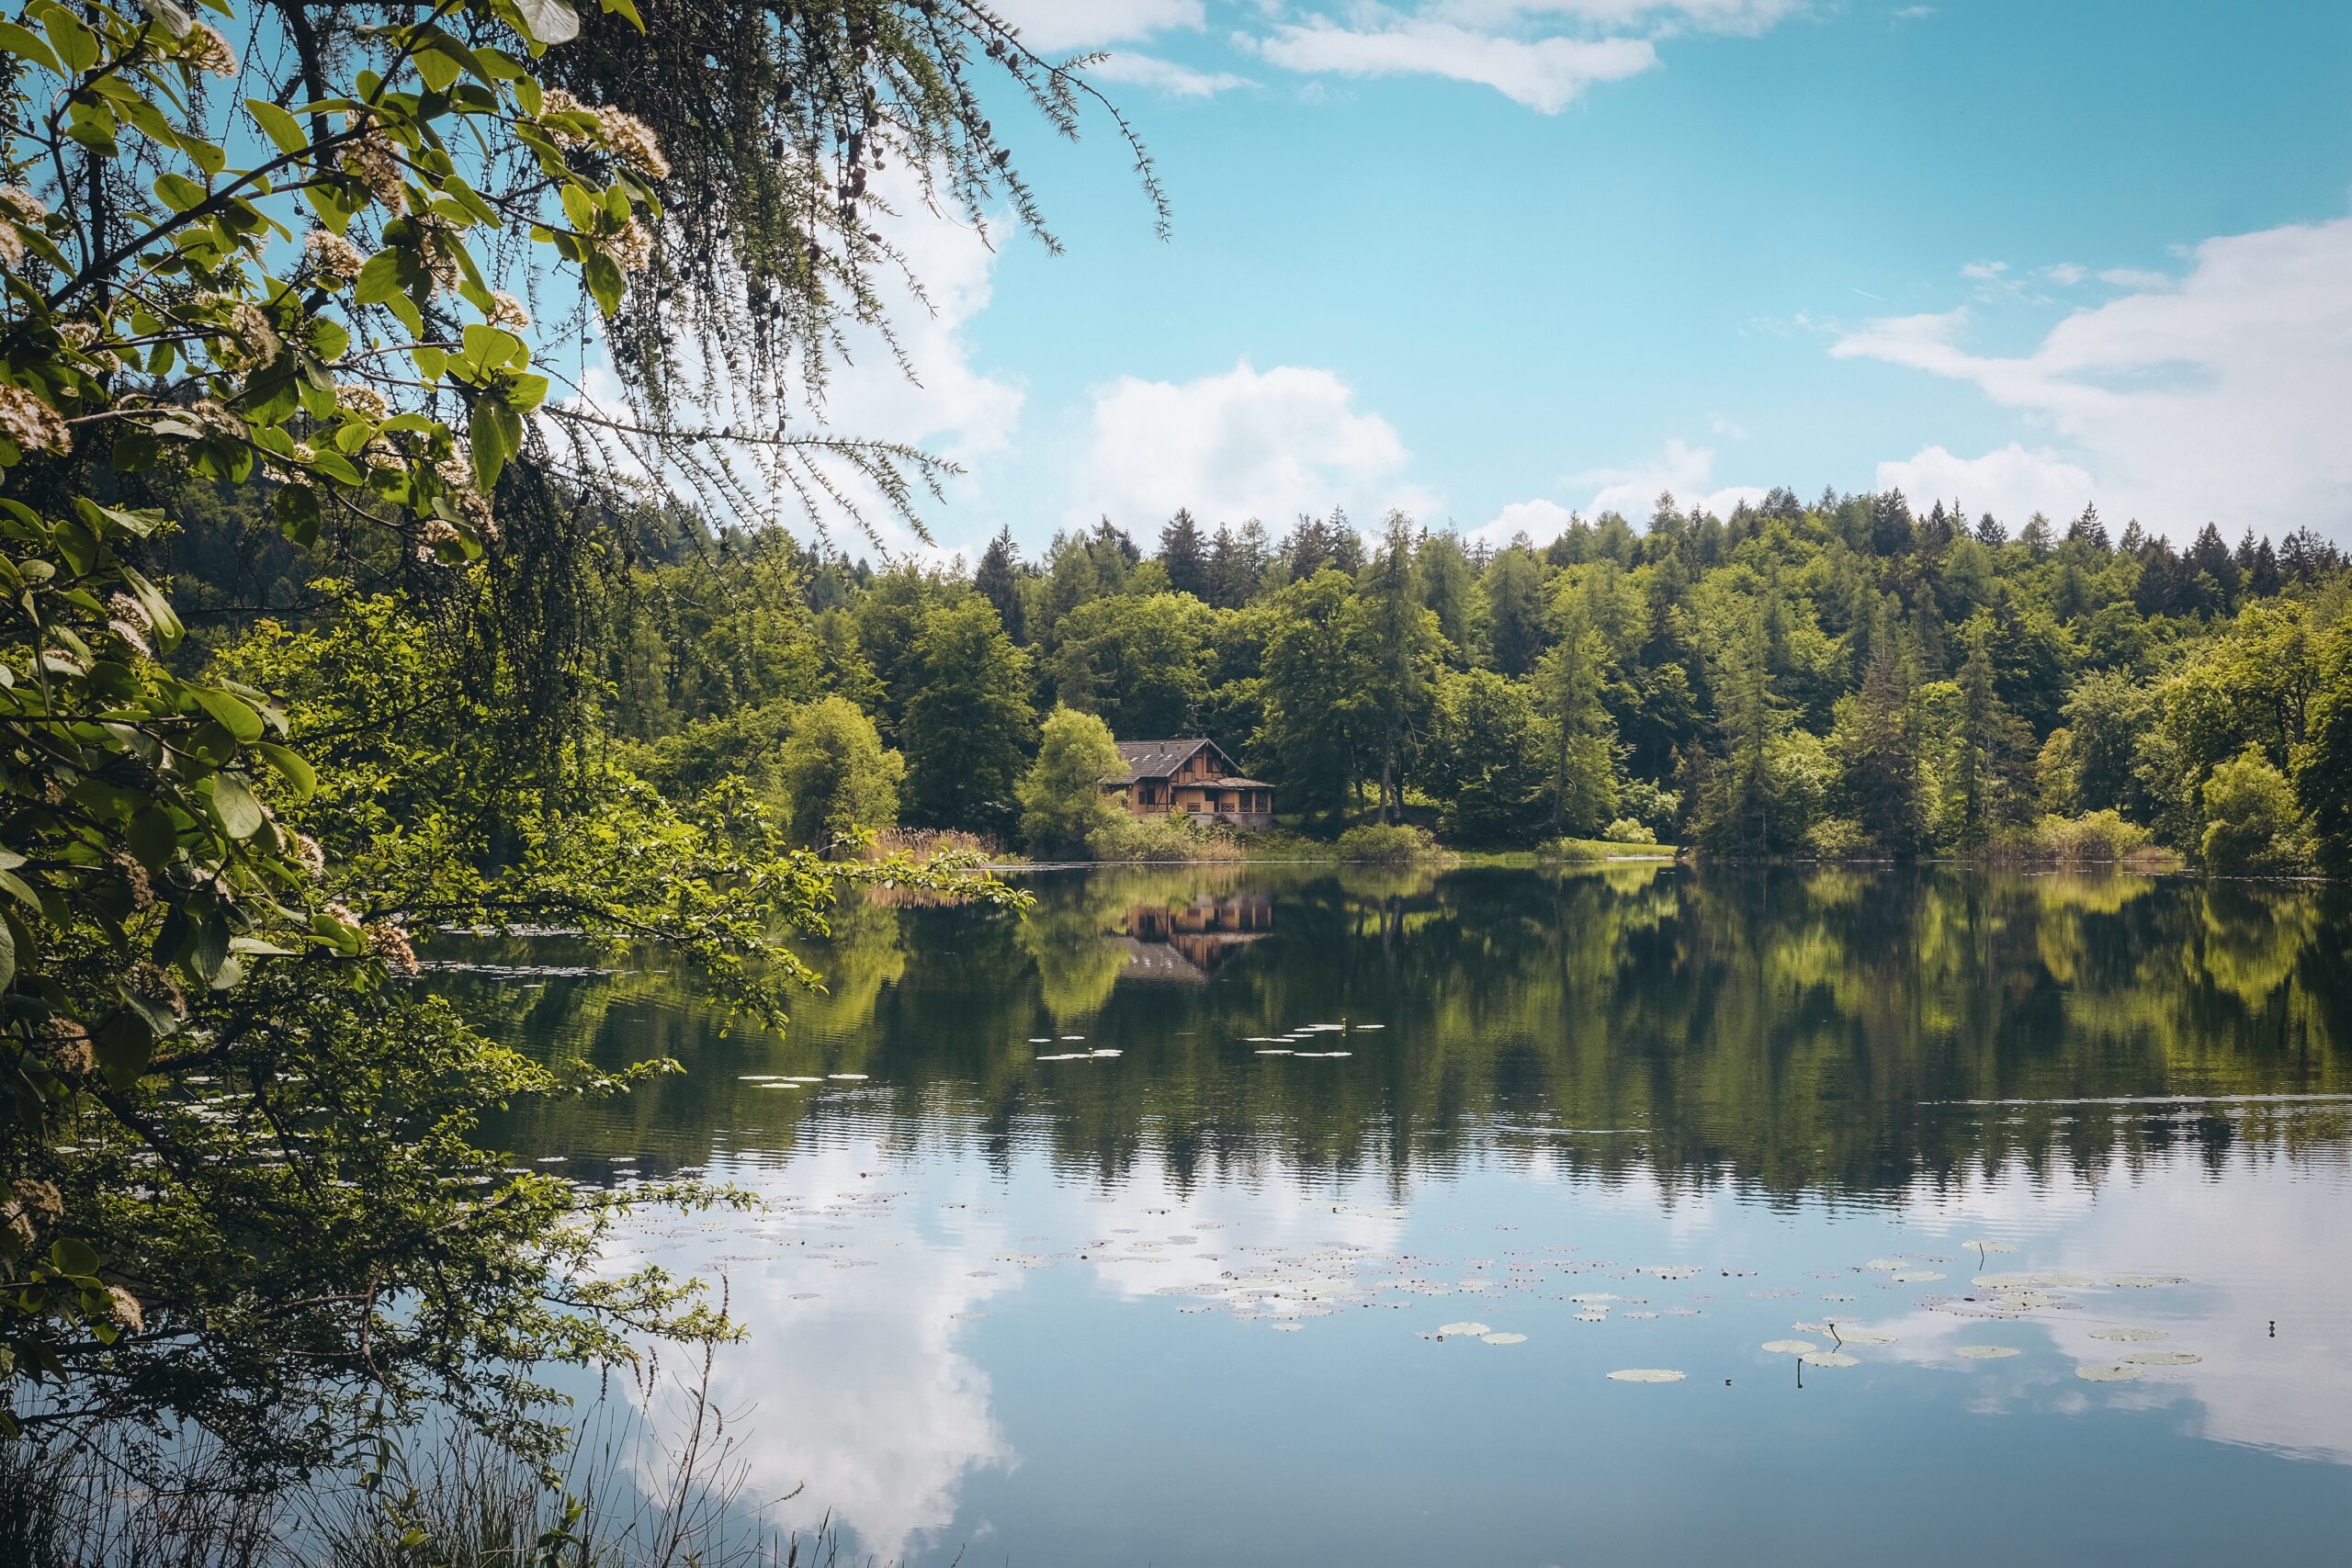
[1848,679]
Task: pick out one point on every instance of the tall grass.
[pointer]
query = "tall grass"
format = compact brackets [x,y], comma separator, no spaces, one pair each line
[117,1499]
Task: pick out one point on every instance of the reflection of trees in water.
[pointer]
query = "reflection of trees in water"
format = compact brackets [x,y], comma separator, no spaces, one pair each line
[1796,1030]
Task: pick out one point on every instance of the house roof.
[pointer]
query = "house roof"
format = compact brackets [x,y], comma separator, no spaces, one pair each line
[1239,783]
[1157,759]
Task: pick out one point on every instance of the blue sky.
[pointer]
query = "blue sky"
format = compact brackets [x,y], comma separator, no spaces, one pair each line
[1496,260]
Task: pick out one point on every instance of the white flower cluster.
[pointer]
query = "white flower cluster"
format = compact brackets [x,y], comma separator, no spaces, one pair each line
[19,209]
[31,423]
[332,257]
[371,161]
[507,312]
[629,138]
[365,401]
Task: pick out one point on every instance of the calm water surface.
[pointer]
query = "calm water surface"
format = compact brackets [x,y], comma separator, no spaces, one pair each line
[1197,1218]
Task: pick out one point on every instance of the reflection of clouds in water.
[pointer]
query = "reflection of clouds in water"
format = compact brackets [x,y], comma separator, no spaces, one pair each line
[870,1398]
[862,1398]
[2255,1246]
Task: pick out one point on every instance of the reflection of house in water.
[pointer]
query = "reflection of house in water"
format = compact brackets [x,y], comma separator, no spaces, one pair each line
[1186,944]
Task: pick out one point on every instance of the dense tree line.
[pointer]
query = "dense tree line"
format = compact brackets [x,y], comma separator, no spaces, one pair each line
[1848,678]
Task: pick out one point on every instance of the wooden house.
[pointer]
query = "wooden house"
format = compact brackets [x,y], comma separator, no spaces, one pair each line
[1192,778]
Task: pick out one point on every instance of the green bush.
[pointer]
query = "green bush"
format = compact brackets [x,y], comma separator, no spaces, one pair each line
[1837,838]
[2251,821]
[1172,837]
[1626,831]
[1378,842]
[2096,836]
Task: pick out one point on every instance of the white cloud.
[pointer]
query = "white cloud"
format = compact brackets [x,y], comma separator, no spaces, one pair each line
[1686,470]
[1544,74]
[2219,399]
[2067,274]
[2011,482]
[1164,75]
[1243,444]
[2137,279]
[1984,271]
[1541,520]
[1689,471]
[1048,24]
[1665,15]
[1542,53]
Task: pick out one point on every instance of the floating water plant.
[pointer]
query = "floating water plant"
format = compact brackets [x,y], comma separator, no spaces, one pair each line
[2128,1335]
[1791,1346]
[1645,1374]
[1504,1338]
[2163,1358]
[2090,1373]
[1985,1352]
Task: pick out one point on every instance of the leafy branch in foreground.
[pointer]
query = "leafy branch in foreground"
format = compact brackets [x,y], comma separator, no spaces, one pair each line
[241,1182]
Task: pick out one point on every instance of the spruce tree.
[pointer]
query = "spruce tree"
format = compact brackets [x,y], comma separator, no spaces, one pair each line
[1181,556]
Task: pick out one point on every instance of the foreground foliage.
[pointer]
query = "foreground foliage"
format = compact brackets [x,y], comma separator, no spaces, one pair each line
[254,331]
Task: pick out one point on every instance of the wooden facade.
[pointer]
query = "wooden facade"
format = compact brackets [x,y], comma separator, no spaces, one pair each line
[1190,778]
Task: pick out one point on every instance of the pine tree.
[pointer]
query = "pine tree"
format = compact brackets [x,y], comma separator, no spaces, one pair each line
[1582,736]
[1403,643]
[999,582]
[1182,558]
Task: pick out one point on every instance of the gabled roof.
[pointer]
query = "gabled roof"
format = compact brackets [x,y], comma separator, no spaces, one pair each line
[1157,759]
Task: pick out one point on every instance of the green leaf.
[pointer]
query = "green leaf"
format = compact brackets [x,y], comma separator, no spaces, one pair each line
[606,282]
[298,774]
[298,513]
[240,813]
[7,956]
[209,950]
[277,125]
[235,716]
[26,44]
[168,629]
[124,1045]
[487,434]
[178,192]
[153,835]
[69,1254]
[77,46]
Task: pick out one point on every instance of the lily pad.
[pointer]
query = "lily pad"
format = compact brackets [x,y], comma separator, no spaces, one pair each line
[1990,1245]
[2090,1373]
[2144,1281]
[1504,1338]
[1830,1358]
[1463,1330]
[1917,1277]
[2130,1336]
[1986,1352]
[1645,1374]
[2163,1358]
[1791,1346]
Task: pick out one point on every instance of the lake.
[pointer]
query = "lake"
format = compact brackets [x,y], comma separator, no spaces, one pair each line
[1291,1215]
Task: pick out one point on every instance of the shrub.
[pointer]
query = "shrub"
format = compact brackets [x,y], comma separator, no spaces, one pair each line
[1165,838]
[2251,822]
[1626,830]
[1375,842]
[1837,838]
[2098,836]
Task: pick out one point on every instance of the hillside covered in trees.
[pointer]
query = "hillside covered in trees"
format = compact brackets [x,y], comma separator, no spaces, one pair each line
[1839,679]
